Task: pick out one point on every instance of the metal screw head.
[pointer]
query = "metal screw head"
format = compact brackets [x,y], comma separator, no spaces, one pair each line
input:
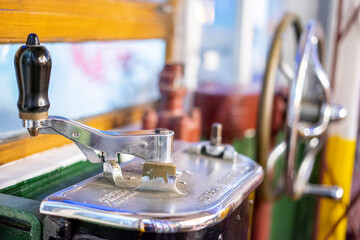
[75,134]
[216,134]
[238,218]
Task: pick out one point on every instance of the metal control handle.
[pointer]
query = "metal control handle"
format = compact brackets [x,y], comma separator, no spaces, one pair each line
[307,58]
[291,182]
[150,145]
[33,67]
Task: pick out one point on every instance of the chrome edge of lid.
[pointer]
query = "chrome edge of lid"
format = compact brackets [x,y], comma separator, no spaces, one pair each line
[191,219]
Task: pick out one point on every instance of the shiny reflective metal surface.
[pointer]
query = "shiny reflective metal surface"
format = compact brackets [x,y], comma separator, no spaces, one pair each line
[273,186]
[214,147]
[223,151]
[296,183]
[146,144]
[210,189]
[150,145]
[307,58]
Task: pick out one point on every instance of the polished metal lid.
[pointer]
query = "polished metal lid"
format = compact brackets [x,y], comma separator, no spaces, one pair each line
[206,190]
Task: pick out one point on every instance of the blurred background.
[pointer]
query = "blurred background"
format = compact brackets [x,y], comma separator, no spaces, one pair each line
[221,41]
[223,46]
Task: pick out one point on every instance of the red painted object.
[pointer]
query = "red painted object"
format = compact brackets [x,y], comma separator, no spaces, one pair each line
[171,113]
[234,107]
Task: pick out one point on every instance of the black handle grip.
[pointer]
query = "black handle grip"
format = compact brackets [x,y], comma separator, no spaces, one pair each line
[33,67]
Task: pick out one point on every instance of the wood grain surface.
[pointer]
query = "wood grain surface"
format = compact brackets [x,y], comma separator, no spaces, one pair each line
[83,20]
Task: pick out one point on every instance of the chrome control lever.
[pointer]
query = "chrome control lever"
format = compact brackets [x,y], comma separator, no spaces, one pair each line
[150,145]
[33,67]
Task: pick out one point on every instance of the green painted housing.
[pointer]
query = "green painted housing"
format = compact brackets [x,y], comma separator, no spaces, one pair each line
[19,204]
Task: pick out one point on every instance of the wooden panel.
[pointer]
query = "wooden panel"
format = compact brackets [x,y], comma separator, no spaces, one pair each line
[170,44]
[20,148]
[82,20]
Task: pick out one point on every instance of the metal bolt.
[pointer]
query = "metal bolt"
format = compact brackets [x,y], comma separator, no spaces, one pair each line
[251,202]
[220,237]
[216,134]
[238,218]
[75,134]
